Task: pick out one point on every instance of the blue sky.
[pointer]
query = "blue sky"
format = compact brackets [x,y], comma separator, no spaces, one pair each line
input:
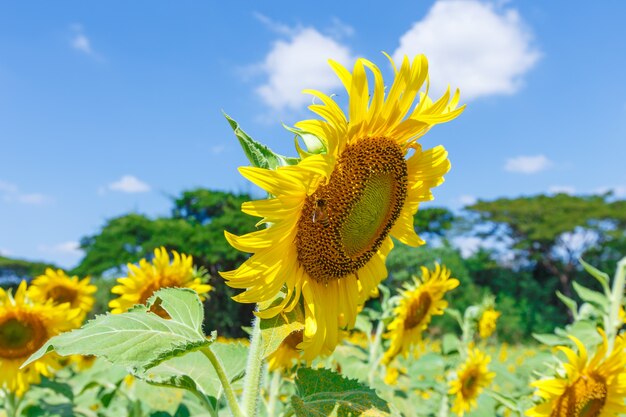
[112,107]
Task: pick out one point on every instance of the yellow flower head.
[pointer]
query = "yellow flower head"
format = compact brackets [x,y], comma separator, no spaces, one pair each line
[25,326]
[60,288]
[145,279]
[487,322]
[471,378]
[332,216]
[287,352]
[419,302]
[586,388]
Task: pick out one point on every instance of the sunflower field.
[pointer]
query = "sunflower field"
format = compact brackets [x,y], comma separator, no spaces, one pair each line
[299,315]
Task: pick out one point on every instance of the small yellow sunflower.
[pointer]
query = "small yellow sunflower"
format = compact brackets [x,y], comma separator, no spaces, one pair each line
[332,216]
[60,288]
[487,322]
[287,352]
[25,326]
[471,378]
[595,388]
[144,280]
[419,302]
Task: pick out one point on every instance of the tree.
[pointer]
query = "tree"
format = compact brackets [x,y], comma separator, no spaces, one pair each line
[12,271]
[196,227]
[550,233]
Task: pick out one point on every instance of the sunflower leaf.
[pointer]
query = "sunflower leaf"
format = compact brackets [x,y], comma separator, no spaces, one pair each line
[259,155]
[276,329]
[194,371]
[138,339]
[321,392]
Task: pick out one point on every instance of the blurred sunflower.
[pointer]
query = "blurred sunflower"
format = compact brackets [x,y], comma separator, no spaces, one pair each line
[487,322]
[148,277]
[595,388]
[60,288]
[332,215]
[418,303]
[471,378]
[25,326]
[287,352]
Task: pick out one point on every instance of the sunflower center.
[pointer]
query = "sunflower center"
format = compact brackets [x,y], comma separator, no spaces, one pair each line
[468,388]
[20,337]
[417,311]
[585,398]
[61,294]
[345,221]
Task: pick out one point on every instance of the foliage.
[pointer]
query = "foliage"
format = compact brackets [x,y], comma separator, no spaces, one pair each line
[12,271]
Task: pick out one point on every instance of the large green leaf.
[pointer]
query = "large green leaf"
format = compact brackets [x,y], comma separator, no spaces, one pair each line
[321,392]
[194,371]
[276,329]
[138,339]
[258,154]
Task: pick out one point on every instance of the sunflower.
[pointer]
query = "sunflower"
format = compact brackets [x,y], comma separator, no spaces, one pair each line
[331,217]
[595,388]
[60,288]
[471,378]
[419,302]
[147,278]
[487,322]
[25,326]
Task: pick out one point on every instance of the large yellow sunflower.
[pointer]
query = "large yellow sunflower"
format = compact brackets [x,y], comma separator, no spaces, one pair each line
[25,326]
[60,288]
[595,388]
[471,378]
[332,216]
[419,302]
[487,322]
[148,277]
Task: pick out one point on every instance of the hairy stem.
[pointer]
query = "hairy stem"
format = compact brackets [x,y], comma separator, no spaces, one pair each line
[617,294]
[374,356]
[273,393]
[231,399]
[252,381]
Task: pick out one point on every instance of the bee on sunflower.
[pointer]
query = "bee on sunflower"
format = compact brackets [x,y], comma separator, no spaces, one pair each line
[583,387]
[25,325]
[418,303]
[145,279]
[60,288]
[331,217]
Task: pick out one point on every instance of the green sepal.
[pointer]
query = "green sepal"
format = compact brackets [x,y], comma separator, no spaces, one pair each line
[259,155]
[313,144]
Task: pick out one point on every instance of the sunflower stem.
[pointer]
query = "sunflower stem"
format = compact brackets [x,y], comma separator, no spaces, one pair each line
[273,393]
[252,380]
[374,359]
[443,407]
[229,393]
[11,403]
[617,294]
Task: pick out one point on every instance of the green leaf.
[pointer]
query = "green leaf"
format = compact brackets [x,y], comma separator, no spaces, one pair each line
[312,143]
[591,296]
[602,277]
[550,339]
[258,154]
[571,304]
[450,343]
[138,339]
[321,392]
[456,314]
[194,371]
[276,329]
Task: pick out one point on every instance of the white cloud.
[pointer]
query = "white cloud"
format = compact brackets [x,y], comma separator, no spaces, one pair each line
[63,248]
[7,187]
[5,252]
[129,184]
[527,164]
[11,193]
[297,63]
[218,149]
[80,42]
[468,245]
[32,198]
[478,47]
[467,200]
[562,189]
